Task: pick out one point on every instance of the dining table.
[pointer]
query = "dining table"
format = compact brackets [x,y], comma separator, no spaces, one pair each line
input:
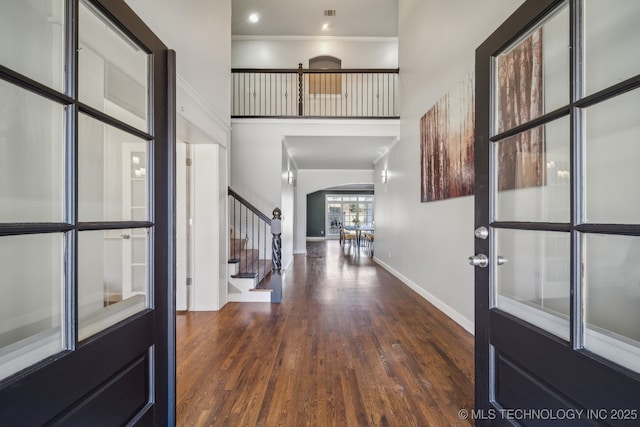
[358,230]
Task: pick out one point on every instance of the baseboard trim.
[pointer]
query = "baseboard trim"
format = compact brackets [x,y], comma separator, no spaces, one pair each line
[448,311]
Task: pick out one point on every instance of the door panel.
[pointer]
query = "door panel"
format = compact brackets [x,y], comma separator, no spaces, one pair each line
[63,383]
[516,388]
[97,80]
[577,377]
[115,402]
[556,323]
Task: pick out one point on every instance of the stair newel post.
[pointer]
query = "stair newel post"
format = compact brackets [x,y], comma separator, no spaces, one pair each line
[300,89]
[276,256]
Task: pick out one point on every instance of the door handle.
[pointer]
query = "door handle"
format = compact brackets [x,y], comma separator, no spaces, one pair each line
[481,232]
[125,236]
[480,260]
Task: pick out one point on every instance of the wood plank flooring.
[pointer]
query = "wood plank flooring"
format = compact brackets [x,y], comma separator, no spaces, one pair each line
[349,346]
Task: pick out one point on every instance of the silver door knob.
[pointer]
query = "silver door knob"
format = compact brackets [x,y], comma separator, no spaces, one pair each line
[502,260]
[481,233]
[480,260]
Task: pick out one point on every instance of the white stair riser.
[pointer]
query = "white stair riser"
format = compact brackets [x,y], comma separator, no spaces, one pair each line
[240,290]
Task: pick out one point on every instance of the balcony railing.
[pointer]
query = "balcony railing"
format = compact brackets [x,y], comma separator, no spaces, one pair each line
[306,93]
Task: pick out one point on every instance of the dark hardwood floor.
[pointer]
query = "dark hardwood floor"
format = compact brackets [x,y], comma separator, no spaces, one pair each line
[349,346]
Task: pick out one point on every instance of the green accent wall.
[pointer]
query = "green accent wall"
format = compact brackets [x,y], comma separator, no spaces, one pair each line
[316,207]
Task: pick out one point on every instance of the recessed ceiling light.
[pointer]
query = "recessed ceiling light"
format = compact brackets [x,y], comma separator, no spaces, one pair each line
[325,26]
[254,17]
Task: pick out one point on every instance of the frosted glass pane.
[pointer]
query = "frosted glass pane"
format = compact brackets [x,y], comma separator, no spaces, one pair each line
[533,282]
[139,249]
[612,133]
[612,297]
[611,40]
[32,161]
[532,173]
[32,40]
[31,299]
[139,278]
[138,193]
[139,214]
[532,75]
[112,279]
[113,70]
[106,189]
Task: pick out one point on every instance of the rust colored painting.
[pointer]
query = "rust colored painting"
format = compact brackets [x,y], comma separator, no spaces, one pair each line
[446,145]
[520,100]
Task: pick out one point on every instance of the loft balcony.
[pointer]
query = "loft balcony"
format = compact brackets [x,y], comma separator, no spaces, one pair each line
[314,93]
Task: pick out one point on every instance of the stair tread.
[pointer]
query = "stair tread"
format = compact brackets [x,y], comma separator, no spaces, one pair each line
[245,275]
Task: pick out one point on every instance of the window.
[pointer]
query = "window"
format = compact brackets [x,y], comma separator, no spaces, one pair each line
[325,83]
[350,210]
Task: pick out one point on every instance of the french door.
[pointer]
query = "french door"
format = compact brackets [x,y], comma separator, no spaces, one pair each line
[348,209]
[558,216]
[86,208]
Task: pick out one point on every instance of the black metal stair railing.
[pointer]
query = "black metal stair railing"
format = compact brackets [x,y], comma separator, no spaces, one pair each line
[314,93]
[252,243]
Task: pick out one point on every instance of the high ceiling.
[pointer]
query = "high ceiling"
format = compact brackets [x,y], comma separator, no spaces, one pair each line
[353,18]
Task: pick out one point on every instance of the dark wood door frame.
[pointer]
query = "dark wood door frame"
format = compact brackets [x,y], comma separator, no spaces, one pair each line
[567,375]
[139,352]
[515,25]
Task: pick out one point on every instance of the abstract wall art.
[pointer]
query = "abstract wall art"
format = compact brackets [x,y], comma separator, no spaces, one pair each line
[447,144]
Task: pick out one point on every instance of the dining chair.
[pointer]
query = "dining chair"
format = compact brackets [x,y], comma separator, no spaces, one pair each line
[346,235]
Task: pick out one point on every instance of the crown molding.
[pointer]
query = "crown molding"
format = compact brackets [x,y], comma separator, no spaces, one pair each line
[209,110]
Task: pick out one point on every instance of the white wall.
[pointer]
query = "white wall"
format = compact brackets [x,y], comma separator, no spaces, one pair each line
[223,227]
[288,52]
[258,172]
[256,163]
[182,214]
[288,205]
[427,244]
[200,33]
[312,180]
[206,229]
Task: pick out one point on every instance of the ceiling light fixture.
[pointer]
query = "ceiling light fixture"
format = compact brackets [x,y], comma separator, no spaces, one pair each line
[325,26]
[254,17]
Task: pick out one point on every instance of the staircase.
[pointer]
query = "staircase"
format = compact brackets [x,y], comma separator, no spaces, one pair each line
[248,274]
[252,249]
